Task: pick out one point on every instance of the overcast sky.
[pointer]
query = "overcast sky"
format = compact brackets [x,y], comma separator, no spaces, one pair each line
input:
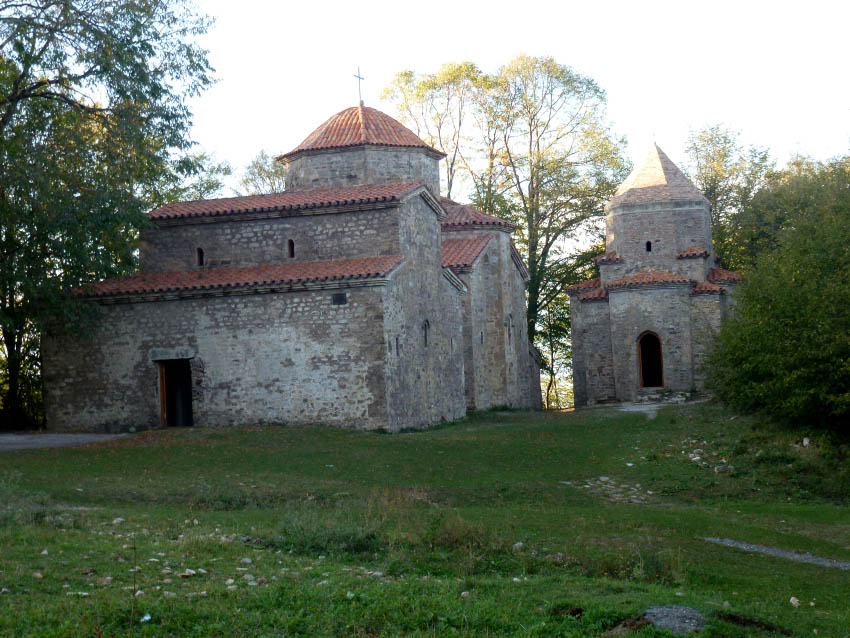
[778,72]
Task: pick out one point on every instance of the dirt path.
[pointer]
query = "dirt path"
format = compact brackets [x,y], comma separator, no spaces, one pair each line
[12,442]
[781,553]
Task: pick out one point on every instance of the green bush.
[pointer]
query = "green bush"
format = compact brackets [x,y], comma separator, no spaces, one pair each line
[786,352]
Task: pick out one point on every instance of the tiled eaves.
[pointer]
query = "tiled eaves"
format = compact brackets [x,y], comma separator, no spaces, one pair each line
[722,276]
[693,252]
[707,288]
[582,286]
[150,286]
[312,201]
[650,277]
[611,257]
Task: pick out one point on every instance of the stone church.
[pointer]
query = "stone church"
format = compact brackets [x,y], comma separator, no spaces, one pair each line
[645,324]
[358,297]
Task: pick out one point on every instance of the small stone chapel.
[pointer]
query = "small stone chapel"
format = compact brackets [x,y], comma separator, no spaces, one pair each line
[358,297]
[644,326]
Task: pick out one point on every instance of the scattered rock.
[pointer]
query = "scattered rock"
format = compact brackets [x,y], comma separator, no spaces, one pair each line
[187,573]
[464,594]
[723,469]
[679,620]
[807,442]
[517,546]
[37,575]
[229,581]
[104,581]
[140,592]
[627,626]
[795,601]
[575,612]
[246,561]
[44,552]
[117,521]
[4,590]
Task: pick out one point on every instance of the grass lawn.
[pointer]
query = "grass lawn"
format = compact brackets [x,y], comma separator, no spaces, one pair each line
[560,524]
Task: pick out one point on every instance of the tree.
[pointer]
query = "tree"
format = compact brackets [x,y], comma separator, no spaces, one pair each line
[533,140]
[440,108]
[729,176]
[787,349]
[264,174]
[93,133]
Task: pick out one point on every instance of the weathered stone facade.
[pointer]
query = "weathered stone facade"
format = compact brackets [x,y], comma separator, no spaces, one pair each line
[331,303]
[646,324]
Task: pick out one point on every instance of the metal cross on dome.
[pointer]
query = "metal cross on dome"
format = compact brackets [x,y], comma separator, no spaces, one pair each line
[360,78]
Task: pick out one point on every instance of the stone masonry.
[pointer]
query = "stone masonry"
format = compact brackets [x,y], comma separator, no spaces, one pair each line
[646,324]
[355,298]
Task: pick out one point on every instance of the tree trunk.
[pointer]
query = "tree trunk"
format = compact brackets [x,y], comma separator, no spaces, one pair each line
[13,413]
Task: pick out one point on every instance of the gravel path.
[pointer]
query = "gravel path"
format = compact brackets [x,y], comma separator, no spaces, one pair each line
[781,553]
[11,442]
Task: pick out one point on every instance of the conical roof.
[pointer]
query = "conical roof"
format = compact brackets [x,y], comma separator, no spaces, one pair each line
[357,126]
[657,179]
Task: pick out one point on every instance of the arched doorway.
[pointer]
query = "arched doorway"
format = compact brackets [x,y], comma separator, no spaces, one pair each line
[650,361]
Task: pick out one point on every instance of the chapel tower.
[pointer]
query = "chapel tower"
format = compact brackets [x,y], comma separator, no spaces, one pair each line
[645,324]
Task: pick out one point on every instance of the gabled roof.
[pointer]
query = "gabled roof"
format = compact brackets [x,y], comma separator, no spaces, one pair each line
[286,201]
[246,276]
[358,126]
[461,253]
[649,277]
[657,179]
[464,216]
[721,276]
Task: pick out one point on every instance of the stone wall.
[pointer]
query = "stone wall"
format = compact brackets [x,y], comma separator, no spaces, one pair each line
[707,312]
[363,165]
[665,311]
[669,226]
[245,242]
[593,365]
[272,358]
[424,378]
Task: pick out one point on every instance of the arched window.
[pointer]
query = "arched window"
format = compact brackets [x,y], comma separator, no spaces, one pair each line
[291,249]
[650,361]
[425,328]
[649,246]
[200,253]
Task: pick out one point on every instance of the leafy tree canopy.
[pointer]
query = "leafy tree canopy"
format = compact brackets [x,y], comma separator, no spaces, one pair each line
[94,131]
[787,350]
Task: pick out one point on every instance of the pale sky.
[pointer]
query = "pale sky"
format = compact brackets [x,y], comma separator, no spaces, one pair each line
[778,72]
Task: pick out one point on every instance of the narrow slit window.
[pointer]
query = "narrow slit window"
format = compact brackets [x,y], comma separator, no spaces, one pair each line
[200,255]
[397,349]
[482,336]
[291,248]
[649,246]
[425,328]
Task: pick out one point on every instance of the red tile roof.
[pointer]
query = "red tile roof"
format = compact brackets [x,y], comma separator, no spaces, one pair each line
[693,252]
[357,126]
[464,215]
[658,179]
[288,200]
[721,276]
[246,276]
[588,284]
[596,294]
[649,277]
[611,257]
[460,253]
[707,288]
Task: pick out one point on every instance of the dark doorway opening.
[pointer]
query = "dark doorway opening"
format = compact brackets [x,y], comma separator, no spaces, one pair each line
[175,393]
[650,361]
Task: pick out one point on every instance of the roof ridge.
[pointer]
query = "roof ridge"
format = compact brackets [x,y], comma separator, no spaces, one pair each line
[362,123]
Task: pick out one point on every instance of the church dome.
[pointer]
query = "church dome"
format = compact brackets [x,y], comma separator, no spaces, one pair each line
[657,179]
[359,126]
